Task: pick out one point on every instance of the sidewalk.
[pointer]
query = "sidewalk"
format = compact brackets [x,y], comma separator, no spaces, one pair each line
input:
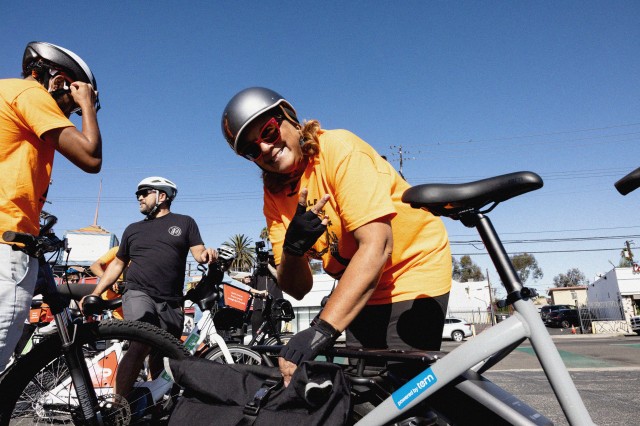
[592,336]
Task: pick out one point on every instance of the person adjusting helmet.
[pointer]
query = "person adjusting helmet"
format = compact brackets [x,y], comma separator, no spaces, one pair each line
[156,184]
[34,125]
[43,60]
[247,105]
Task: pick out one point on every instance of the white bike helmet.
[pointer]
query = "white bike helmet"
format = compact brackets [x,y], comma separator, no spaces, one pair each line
[161,184]
[41,57]
[226,253]
[247,105]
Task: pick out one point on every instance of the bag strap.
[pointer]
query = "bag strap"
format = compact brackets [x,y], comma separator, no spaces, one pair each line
[251,409]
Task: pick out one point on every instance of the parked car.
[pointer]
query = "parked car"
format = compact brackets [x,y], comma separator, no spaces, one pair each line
[456,329]
[635,324]
[547,309]
[564,318]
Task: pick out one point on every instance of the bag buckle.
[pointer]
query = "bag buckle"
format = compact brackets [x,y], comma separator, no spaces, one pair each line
[253,407]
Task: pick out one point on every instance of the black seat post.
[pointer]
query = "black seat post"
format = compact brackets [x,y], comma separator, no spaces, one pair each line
[489,236]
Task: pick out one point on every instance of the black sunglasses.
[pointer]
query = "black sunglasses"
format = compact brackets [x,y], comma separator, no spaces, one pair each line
[144,192]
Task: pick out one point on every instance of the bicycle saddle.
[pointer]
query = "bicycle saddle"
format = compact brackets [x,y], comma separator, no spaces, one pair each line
[450,200]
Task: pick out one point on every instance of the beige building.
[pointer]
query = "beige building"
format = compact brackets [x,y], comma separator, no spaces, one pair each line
[575,296]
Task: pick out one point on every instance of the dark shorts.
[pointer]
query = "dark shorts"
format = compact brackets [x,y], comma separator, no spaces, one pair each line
[410,325]
[167,315]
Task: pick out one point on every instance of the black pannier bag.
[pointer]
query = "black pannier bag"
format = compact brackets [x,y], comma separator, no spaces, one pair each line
[244,395]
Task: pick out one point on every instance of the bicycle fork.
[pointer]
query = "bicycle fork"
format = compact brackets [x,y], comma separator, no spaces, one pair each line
[78,371]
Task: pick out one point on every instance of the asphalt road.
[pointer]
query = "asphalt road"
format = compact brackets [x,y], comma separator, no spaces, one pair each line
[605,369]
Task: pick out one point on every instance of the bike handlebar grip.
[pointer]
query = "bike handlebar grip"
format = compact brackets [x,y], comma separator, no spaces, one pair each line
[628,183]
[17,237]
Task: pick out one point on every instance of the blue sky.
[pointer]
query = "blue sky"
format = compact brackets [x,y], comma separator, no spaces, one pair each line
[467,89]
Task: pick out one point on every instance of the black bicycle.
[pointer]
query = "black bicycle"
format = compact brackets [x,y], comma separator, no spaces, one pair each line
[68,378]
[275,311]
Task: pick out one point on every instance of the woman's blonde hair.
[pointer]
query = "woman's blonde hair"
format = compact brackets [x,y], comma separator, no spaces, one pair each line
[276,182]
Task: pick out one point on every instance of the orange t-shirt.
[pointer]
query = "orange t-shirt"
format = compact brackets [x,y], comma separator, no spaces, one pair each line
[364,187]
[108,294]
[27,111]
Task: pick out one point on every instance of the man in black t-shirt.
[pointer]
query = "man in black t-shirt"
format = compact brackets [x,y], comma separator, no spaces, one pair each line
[155,251]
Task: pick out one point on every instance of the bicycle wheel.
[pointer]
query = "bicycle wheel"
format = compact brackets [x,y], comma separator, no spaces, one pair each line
[240,355]
[37,388]
[284,338]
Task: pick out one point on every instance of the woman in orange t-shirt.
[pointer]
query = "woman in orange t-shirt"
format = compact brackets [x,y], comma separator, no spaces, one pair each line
[329,195]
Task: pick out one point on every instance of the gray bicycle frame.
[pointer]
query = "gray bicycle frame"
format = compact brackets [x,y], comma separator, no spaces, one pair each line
[525,323]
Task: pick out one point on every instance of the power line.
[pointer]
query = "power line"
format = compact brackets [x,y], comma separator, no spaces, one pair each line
[540,252]
[549,240]
[535,135]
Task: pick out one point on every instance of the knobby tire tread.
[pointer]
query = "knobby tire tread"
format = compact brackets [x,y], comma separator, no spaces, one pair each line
[16,378]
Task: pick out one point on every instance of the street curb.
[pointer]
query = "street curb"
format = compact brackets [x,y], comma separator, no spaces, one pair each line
[593,336]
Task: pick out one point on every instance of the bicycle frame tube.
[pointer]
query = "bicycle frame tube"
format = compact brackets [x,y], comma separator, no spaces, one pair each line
[208,330]
[546,351]
[72,353]
[525,323]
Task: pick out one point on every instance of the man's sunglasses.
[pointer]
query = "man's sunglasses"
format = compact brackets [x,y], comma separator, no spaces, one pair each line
[144,192]
[270,134]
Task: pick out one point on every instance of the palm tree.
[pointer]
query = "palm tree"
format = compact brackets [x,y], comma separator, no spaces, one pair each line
[264,235]
[245,252]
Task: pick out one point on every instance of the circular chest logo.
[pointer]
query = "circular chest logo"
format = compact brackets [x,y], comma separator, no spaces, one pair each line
[175,231]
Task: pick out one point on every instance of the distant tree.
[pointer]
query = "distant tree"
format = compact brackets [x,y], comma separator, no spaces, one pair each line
[624,262]
[573,277]
[245,252]
[465,270]
[626,258]
[264,234]
[526,266]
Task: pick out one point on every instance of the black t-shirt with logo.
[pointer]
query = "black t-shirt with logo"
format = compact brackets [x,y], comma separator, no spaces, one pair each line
[157,250]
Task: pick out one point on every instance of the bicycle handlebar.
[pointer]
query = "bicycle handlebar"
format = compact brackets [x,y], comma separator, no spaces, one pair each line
[629,182]
[19,237]
[34,246]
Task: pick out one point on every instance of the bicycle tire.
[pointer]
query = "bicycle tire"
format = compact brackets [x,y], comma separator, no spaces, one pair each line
[239,353]
[27,384]
[284,338]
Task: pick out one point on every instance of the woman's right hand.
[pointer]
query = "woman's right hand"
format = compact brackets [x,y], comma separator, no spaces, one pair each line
[306,226]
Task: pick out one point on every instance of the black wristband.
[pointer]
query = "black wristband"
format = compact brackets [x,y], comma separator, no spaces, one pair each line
[326,328]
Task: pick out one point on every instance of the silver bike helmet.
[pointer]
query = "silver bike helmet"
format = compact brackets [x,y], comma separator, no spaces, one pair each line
[40,55]
[161,184]
[245,106]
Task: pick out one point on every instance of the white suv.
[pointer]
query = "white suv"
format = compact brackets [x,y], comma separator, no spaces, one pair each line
[456,329]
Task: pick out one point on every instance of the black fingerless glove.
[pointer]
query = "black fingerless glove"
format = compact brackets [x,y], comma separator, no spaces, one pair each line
[303,231]
[305,345]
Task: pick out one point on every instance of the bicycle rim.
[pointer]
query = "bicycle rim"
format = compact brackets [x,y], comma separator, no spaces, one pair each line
[37,388]
[240,355]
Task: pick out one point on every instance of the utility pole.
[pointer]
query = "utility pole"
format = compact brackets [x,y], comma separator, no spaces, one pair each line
[627,251]
[491,313]
[400,154]
[95,218]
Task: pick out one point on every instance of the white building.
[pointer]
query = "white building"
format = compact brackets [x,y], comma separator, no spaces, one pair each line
[465,298]
[618,287]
